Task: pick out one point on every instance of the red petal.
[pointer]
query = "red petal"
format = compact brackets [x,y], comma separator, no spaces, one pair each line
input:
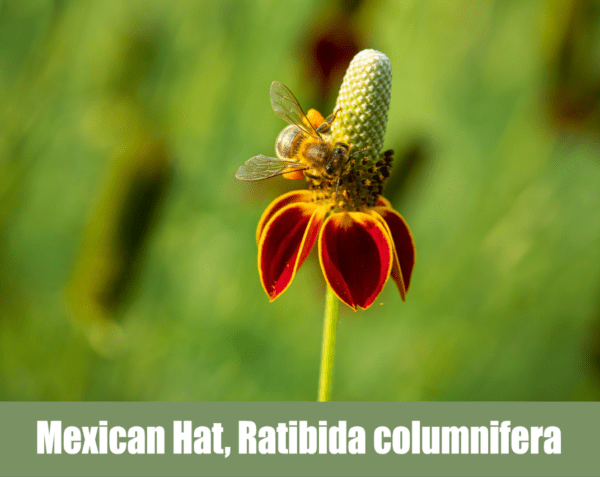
[403,243]
[396,272]
[286,241]
[278,204]
[356,255]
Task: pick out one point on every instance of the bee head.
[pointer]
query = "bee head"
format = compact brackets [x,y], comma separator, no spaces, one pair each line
[338,158]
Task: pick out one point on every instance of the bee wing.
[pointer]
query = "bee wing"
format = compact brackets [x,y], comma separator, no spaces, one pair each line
[262,167]
[286,107]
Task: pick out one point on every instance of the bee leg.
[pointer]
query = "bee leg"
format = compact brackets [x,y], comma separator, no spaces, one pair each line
[360,150]
[337,186]
[324,127]
[332,116]
[311,176]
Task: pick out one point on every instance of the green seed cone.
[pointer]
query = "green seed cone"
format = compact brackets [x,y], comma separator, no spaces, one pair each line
[363,104]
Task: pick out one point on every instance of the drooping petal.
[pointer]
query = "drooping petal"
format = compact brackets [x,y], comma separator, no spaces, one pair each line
[383,202]
[278,204]
[403,243]
[286,240]
[356,256]
[396,272]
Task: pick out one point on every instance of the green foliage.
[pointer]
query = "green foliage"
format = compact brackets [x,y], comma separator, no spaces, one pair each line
[504,207]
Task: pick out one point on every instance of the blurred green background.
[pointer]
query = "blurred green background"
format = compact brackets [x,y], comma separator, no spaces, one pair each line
[127,250]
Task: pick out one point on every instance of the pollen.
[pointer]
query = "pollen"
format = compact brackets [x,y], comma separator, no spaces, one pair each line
[356,189]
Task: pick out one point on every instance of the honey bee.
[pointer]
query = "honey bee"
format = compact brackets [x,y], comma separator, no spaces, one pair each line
[299,147]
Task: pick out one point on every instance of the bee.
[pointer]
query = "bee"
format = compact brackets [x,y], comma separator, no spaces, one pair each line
[299,147]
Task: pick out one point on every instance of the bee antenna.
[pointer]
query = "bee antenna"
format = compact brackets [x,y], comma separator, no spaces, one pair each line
[359,151]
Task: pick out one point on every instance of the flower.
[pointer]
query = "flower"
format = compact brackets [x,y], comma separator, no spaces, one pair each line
[362,240]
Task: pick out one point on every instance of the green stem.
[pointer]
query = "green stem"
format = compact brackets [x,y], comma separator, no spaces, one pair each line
[332,306]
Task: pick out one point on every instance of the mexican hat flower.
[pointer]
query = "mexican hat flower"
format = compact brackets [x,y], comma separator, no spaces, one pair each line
[362,240]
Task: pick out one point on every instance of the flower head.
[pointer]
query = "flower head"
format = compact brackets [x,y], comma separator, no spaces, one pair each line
[362,240]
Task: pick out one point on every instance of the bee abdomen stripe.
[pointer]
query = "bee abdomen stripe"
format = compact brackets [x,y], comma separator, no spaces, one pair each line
[288,142]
